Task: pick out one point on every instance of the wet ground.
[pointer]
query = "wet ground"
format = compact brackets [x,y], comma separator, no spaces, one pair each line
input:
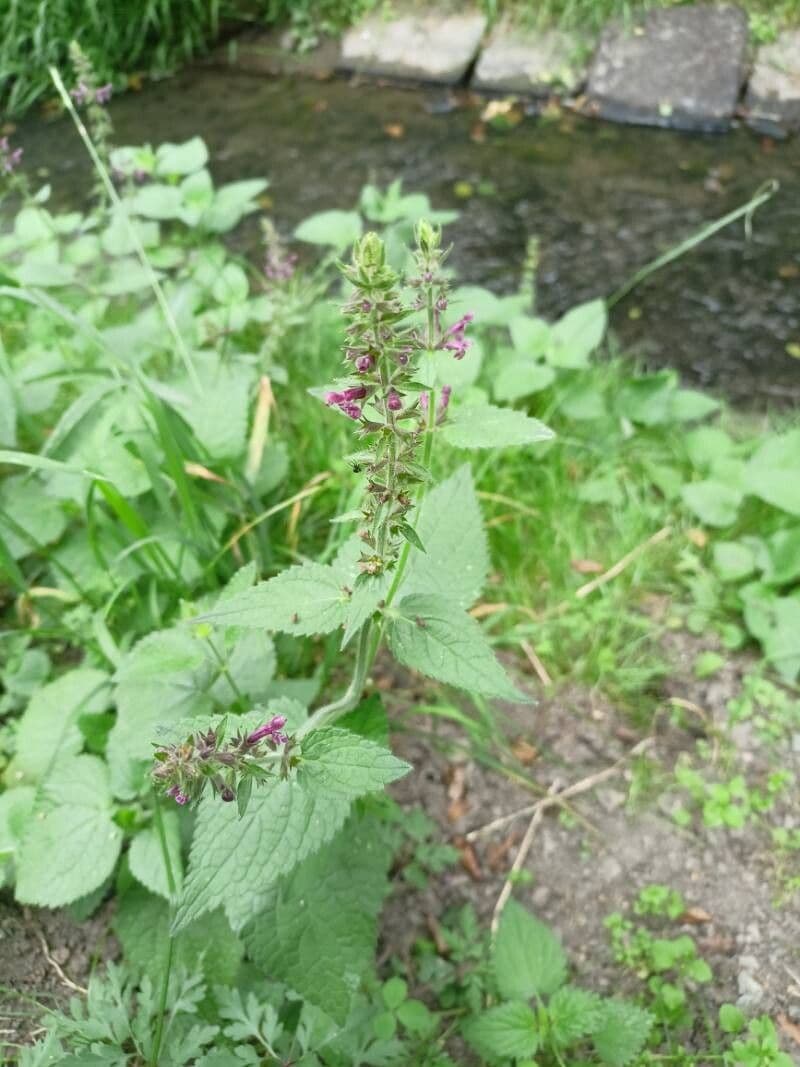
[602,199]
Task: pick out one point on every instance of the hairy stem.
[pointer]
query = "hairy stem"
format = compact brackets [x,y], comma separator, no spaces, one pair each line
[162,1000]
[350,698]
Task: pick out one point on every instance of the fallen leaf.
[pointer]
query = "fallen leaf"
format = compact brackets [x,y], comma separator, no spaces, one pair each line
[697,537]
[319,106]
[469,858]
[435,930]
[496,854]
[586,566]
[477,132]
[395,130]
[483,611]
[789,270]
[524,751]
[197,470]
[789,1028]
[695,916]
[456,810]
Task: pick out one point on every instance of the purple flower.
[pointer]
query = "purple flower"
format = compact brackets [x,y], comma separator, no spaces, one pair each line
[81,93]
[441,303]
[364,364]
[179,797]
[140,175]
[227,794]
[272,730]
[356,392]
[10,158]
[103,94]
[334,399]
[445,399]
[455,341]
[353,411]
[393,401]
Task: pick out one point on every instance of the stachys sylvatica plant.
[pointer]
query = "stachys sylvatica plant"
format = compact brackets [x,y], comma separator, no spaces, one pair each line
[277,785]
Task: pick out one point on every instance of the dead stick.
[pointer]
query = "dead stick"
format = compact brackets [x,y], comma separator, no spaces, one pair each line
[620,566]
[571,791]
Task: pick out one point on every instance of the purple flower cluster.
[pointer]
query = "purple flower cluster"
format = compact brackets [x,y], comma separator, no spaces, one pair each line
[272,730]
[85,94]
[184,770]
[454,340]
[10,158]
[346,400]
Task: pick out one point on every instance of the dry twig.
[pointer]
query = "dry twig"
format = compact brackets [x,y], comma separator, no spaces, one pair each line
[621,564]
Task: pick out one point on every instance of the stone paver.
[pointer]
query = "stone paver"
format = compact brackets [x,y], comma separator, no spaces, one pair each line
[773,94]
[535,62]
[423,47]
[681,67]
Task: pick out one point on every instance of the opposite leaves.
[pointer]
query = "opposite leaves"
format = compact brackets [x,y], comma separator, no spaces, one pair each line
[436,637]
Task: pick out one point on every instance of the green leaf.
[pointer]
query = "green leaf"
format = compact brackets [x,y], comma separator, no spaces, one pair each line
[433,635]
[339,229]
[487,426]
[141,923]
[733,560]
[368,593]
[318,930]
[489,309]
[231,287]
[29,518]
[648,399]
[49,729]
[784,556]
[234,862]
[775,621]
[518,378]
[706,445]
[686,405]
[303,600]
[508,1031]
[573,1013]
[217,413]
[712,502]
[16,807]
[336,761]
[72,843]
[157,201]
[231,203]
[184,158]
[456,561]
[773,473]
[163,679]
[530,336]
[146,858]
[528,958]
[732,1020]
[577,334]
[394,992]
[622,1033]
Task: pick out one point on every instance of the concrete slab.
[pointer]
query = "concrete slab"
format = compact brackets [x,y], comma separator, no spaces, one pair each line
[423,47]
[773,94]
[538,63]
[679,67]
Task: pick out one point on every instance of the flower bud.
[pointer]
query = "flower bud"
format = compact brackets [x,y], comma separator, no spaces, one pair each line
[428,237]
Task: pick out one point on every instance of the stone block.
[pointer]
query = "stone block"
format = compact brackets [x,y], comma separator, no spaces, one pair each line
[423,47]
[532,62]
[680,67]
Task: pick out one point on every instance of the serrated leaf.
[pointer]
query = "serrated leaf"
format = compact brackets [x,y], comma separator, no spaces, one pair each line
[235,861]
[487,426]
[517,378]
[318,930]
[336,761]
[622,1033]
[146,858]
[16,807]
[48,728]
[435,636]
[72,844]
[303,600]
[29,517]
[773,473]
[184,158]
[163,679]
[142,925]
[456,563]
[577,334]
[528,957]
[367,595]
[573,1013]
[338,229]
[712,502]
[508,1031]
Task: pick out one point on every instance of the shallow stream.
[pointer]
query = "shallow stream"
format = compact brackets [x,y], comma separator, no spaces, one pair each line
[602,199]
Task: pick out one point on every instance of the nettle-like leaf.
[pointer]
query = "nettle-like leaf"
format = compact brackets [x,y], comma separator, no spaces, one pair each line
[304,600]
[622,1033]
[487,426]
[340,761]
[141,923]
[455,563]
[49,729]
[573,1013]
[318,929]
[435,636]
[72,843]
[235,861]
[528,958]
[146,857]
[508,1031]
[16,808]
